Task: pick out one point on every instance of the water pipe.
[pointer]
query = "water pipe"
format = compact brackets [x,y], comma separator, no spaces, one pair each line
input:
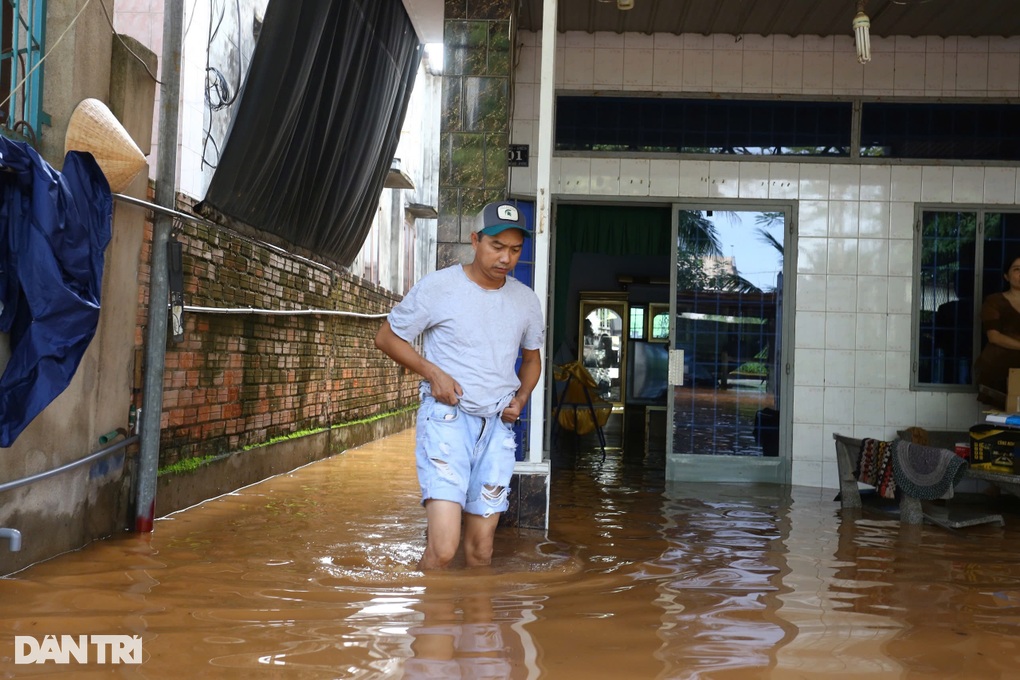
[284,312]
[14,535]
[113,448]
[111,435]
[156,208]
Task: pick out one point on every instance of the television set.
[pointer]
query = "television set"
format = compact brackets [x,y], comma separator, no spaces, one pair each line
[647,372]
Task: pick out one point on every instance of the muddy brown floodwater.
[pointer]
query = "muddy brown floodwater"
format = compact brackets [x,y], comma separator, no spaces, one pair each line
[312,575]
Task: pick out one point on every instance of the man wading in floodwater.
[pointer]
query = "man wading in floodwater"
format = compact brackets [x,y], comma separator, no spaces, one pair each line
[473,319]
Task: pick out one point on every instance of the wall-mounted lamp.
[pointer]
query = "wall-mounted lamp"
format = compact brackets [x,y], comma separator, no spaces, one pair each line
[862,26]
[624,4]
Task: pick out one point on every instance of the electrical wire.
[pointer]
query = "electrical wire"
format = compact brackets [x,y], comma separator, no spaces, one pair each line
[109,20]
[216,83]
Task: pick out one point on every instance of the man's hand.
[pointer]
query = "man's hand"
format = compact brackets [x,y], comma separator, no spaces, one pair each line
[529,372]
[444,388]
[512,411]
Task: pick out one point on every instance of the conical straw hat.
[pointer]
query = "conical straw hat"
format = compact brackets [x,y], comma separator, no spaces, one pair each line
[95,129]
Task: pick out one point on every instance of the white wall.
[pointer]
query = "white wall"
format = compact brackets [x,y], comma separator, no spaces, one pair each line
[143,21]
[216,34]
[855,242]
[418,151]
[219,36]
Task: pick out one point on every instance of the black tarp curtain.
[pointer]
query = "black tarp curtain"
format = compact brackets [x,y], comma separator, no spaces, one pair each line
[318,123]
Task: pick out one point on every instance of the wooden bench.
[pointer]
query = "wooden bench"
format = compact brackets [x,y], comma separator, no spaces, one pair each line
[848,451]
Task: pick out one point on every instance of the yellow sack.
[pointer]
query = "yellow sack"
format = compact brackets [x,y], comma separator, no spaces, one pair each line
[575,414]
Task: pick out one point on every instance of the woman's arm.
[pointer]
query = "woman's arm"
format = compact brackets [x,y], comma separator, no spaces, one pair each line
[1000,339]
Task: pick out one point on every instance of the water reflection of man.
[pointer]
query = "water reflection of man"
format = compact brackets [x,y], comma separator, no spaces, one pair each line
[1000,320]
[458,644]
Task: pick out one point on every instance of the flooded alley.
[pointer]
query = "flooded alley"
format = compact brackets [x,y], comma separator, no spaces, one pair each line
[312,574]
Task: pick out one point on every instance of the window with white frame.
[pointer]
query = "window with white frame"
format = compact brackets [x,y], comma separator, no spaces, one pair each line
[637,323]
[961,258]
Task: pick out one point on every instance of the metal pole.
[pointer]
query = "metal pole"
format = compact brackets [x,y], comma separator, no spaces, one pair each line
[166,196]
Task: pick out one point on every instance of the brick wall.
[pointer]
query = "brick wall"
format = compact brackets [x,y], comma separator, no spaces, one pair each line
[240,380]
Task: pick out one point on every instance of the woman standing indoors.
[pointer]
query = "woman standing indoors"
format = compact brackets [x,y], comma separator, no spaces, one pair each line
[1000,322]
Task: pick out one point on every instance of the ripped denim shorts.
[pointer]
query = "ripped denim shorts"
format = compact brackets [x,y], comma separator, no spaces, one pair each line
[464,458]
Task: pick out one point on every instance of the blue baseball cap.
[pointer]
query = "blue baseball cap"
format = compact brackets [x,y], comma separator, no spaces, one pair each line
[497,217]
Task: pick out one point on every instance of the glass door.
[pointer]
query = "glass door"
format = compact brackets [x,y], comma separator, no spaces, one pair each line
[726,326]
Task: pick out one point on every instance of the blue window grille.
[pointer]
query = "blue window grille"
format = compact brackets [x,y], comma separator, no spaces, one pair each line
[22,39]
[703,126]
[944,130]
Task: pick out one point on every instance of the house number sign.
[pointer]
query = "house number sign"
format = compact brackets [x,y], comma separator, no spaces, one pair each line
[517,155]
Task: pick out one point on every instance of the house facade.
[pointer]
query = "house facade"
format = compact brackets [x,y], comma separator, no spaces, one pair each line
[857,222]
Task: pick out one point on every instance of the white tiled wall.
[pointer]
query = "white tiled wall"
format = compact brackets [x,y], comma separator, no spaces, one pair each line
[855,240]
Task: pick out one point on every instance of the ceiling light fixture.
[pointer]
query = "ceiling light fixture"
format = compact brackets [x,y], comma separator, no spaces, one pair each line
[624,4]
[862,26]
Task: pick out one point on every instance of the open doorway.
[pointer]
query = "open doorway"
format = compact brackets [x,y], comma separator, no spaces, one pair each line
[611,266]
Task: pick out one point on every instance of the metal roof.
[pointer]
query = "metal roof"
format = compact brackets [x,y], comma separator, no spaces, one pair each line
[943,18]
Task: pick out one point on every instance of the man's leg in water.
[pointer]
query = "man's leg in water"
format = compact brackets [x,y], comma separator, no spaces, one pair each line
[443,534]
[479,533]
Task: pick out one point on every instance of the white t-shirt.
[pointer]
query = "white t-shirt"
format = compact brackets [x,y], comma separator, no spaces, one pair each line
[472,333]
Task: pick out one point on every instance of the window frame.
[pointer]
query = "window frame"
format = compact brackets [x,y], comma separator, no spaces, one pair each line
[24,116]
[638,313]
[981,211]
[723,126]
[569,146]
[889,129]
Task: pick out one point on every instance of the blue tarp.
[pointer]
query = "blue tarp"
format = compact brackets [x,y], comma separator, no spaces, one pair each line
[54,227]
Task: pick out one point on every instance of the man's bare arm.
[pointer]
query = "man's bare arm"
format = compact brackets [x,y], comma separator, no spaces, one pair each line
[531,369]
[444,388]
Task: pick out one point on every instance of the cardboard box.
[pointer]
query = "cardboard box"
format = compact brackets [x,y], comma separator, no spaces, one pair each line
[1013,384]
[1013,391]
[994,445]
[1012,402]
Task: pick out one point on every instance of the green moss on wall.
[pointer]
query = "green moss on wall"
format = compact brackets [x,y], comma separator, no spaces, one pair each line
[192,464]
